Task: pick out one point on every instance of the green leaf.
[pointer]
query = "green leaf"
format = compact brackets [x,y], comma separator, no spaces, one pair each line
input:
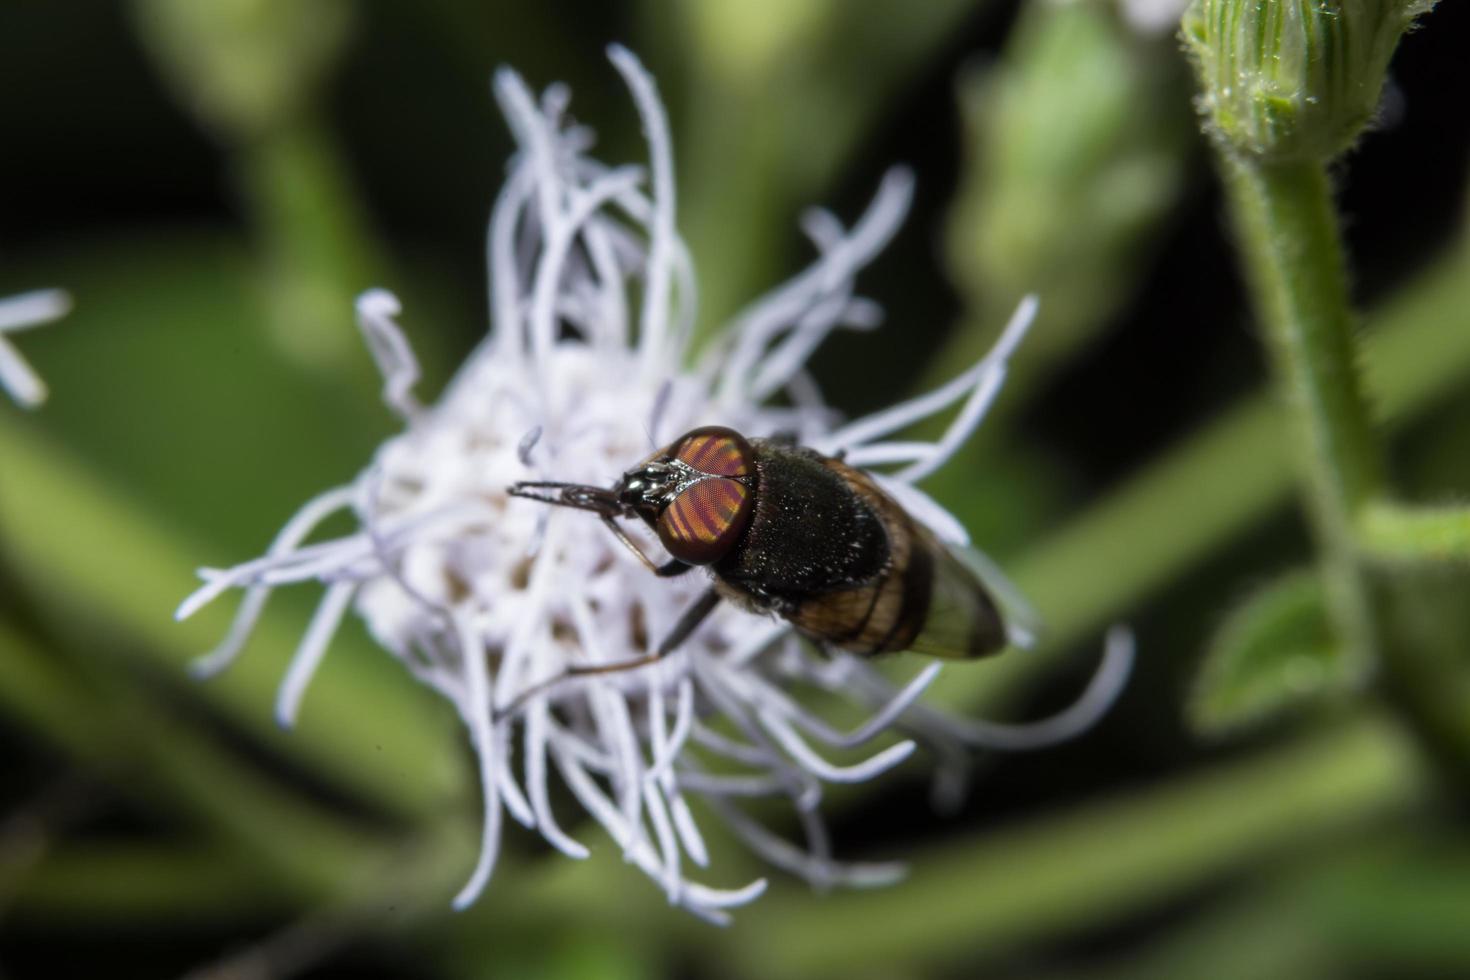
[1274,652]
[176,436]
[1400,906]
[1076,145]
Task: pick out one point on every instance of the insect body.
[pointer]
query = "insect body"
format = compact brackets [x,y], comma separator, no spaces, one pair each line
[786,530]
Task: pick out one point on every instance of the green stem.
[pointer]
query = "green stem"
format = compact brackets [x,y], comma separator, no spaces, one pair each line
[1400,533]
[109,725]
[1293,255]
[141,882]
[1087,867]
[318,251]
[1220,480]
[95,555]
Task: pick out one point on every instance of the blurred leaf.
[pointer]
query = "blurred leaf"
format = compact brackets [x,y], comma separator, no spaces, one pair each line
[146,883]
[574,950]
[1076,145]
[180,438]
[1401,908]
[777,95]
[243,66]
[1425,671]
[318,249]
[1077,141]
[174,767]
[1259,930]
[167,381]
[1230,473]
[253,71]
[1086,867]
[1273,652]
[1391,906]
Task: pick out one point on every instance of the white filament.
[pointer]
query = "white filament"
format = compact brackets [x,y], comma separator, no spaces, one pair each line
[21,313]
[486,598]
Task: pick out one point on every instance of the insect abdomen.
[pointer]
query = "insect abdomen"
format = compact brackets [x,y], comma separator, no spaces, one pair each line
[925,600]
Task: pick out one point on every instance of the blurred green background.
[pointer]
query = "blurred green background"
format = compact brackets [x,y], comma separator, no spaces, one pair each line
[215,181]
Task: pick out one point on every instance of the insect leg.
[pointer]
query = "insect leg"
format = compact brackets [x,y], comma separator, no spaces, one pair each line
[697,613]
[668,569]
[687,624]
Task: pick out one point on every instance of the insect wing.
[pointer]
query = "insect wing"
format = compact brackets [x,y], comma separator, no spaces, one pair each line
[964,618]
[1022,624]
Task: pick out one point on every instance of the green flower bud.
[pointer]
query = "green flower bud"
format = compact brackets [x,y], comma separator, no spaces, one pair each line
[1077,140]
[1293,79]
[243,66]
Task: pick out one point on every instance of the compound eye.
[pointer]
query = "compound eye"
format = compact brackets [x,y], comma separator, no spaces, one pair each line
[715,450]
[703,523]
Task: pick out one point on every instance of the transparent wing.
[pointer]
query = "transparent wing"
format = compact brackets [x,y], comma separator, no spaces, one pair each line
[1022,624]
[966,617]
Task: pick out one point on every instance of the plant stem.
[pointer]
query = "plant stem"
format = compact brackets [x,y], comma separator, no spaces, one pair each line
[1221,479]
[1087,867]
[140,746]
[96,555]
[316,243]
[1293,256]
[137,883]
[1397,533]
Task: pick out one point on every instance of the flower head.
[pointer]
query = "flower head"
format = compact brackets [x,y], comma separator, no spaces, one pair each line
[486,598]
[1293,81]
[18,313]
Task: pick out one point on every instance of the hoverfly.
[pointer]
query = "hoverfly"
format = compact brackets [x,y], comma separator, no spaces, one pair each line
[784,529]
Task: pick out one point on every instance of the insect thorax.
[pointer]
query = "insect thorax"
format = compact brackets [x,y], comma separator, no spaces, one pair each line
[810,534]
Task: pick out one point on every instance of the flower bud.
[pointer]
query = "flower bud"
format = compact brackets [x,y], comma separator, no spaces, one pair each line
[243,65]
[1293,79]
[1076,142]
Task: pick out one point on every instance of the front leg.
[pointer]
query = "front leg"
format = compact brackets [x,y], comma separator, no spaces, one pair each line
[697,613]
[668,569]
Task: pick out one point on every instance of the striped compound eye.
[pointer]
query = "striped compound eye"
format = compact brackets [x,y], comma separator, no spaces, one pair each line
[703,523]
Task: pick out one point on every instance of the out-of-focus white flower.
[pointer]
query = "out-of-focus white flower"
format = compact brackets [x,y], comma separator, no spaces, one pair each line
[485,597]
[17,313]
[1153,18]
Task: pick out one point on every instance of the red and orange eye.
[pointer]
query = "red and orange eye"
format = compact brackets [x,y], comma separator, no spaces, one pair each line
[703,523]
[715,450]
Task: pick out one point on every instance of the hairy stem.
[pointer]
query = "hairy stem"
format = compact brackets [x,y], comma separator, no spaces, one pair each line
[1223,478]
[1293,256]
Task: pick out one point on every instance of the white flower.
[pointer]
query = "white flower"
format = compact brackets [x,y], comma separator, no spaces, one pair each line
[18,313]
[485,597]
[1153,18]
